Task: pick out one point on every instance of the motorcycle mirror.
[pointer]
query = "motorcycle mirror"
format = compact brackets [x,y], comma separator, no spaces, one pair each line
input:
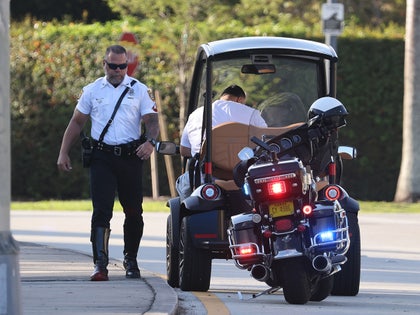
[167,148]
[347,153]
[312,120]
[245,154]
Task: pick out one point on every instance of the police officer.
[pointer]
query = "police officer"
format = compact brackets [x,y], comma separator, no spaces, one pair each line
[230,107]
[117,160]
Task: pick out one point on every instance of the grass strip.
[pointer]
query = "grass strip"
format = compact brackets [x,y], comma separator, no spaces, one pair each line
[150,205]
[81,205]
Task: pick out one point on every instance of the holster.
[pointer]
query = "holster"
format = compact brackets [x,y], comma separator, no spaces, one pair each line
[87,149]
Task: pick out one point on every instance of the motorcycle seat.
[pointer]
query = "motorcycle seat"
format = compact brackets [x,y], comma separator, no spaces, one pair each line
[227,185]
[321,185]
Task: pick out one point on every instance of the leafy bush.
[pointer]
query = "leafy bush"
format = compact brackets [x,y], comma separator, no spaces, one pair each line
[50,63]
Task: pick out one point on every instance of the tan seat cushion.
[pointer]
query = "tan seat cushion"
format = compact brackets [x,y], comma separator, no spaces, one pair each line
[229,138]
[226,184]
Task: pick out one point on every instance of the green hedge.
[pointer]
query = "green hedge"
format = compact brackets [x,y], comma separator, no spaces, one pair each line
[51,63]
[370,84]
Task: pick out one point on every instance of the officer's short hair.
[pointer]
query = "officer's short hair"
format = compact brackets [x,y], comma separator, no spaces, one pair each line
[116,49]
[234,90]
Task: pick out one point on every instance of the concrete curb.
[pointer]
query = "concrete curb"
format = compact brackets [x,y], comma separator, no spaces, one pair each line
[166,299]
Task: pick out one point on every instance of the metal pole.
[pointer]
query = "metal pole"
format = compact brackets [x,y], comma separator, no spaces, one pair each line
[331,40]
[208,112]
[9,249]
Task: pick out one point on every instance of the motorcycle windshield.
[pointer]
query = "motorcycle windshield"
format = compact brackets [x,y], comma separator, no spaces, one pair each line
[282,88]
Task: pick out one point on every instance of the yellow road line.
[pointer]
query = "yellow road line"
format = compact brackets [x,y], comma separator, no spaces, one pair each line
[212,303]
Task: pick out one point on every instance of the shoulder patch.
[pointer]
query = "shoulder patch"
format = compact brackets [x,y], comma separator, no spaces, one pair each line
[150,92]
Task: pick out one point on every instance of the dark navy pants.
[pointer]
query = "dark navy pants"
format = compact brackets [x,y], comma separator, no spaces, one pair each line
[111,175]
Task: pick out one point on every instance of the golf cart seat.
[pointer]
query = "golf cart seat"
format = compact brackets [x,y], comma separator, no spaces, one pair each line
[228,139]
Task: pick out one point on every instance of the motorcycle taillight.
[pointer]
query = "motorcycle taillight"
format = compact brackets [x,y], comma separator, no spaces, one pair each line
[283,225]
[247,249]
[277,188]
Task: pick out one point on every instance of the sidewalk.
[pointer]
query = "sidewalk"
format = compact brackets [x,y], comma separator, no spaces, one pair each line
[56,282]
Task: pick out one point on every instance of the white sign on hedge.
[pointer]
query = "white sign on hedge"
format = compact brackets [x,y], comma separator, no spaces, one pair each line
[332,15]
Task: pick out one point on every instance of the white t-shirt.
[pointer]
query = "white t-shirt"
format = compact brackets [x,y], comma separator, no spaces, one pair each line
[99,99]
[223,111]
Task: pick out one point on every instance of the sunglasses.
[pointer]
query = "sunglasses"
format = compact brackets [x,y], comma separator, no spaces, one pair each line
[114,66]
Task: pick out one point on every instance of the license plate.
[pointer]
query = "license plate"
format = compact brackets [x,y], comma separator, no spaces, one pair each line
[281,209]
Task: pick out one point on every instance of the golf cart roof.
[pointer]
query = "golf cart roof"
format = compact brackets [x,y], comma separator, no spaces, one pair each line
[297,46]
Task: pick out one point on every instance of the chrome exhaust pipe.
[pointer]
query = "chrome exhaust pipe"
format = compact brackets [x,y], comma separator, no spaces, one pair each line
[260,272]
[322,263]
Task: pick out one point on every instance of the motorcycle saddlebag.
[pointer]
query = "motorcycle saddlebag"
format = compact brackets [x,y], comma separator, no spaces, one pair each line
[243,229]
[244,239]
[323,224]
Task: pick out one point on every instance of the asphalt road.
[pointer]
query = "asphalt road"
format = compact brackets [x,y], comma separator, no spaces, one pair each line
[390,279]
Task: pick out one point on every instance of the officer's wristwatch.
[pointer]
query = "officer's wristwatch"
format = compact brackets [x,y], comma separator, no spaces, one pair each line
[152,141]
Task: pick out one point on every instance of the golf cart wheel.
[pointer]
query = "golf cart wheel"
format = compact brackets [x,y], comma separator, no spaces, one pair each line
[194,263]
[172,256]
[347,281]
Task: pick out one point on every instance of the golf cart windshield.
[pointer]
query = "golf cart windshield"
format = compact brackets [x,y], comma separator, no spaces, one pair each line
[282,88]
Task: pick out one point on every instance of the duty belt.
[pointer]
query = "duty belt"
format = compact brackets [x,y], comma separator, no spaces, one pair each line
[126,149]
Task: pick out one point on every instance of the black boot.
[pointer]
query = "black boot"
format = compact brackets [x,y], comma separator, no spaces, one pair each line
[133,231]
[131,268]
[100,238]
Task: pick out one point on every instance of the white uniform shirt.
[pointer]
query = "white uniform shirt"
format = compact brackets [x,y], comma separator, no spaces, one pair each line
[99,99]
[223,111]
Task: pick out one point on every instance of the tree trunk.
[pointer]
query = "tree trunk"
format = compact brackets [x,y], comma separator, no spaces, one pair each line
[408,187]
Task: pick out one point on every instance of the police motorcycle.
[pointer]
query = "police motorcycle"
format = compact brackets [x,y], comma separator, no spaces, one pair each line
[297,235]
[282,78]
